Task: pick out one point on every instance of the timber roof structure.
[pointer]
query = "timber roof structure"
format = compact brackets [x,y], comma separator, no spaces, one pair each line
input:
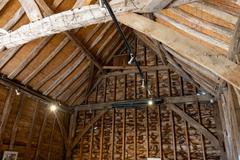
[68,52]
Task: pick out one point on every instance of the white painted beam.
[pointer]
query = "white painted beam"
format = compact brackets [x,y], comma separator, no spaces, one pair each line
[31,9]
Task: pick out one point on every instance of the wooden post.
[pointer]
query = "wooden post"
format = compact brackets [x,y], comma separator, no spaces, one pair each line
[6,112]
[15,125]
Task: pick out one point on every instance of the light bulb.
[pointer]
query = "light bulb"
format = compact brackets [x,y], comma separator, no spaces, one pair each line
[150,102]
[53,107]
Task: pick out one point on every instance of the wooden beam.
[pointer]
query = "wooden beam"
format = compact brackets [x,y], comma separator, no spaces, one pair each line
[86,129]
[6,112]
[23,64]
[31,93]
[16,122]
[185,47]
[145,68]
[166,100]
[72,36]
[61,78]
[3,3]
[52,55]
[44,123]
[31,130]
[195,124]
[72,19]
[62,130]
[31,9]
[50,146]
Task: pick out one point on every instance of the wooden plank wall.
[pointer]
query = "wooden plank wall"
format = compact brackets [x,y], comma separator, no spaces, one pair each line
[30,128]
[153,131]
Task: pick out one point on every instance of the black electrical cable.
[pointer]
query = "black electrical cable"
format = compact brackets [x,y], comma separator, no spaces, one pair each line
[130,52]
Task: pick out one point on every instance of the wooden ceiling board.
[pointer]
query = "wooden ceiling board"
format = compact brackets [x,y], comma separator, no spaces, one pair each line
[45,52]
[53,79]
[8,11]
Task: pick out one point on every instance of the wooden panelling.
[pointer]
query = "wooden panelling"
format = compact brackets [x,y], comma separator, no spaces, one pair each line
[28,128]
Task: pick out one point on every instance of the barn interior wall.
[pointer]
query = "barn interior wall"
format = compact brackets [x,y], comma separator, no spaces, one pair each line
[30,128]
[150,131]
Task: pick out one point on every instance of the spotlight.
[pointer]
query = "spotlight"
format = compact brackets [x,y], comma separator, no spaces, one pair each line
[53,107]
[131,60]
[150,102]
[17,92]
[203,93]
[211,101]
[143,83]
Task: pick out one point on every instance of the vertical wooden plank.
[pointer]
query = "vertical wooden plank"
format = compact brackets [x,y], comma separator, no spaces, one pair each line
[102,122]
[202,137]
[16,122]
[174,135]
[185,123]
[101,138]
[135,110]
[6,112]
[113,135]
[135,133]
[172,118]
[124,120]
[30,136]
[81,142]
[41,134]
[160,132]
[91,139]
[51,140]
[156,79]
[147,130]
[113,122]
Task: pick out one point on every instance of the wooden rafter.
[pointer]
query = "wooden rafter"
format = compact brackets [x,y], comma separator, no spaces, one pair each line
[195,124]
[72,36]
[62,129]
[71,19]
[3,3]
[31,9]
[61,78]
[185,47]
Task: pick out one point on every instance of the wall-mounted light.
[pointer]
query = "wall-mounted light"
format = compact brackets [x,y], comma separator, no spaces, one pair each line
[131,60]
[17,92]
[53,107]
[150,102]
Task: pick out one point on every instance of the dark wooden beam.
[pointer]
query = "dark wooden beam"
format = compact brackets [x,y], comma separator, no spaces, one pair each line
[6,112]
[86,129]
[31,93]
[166,100]
[43,126]
[196,125]
[16,122]
[62,130]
